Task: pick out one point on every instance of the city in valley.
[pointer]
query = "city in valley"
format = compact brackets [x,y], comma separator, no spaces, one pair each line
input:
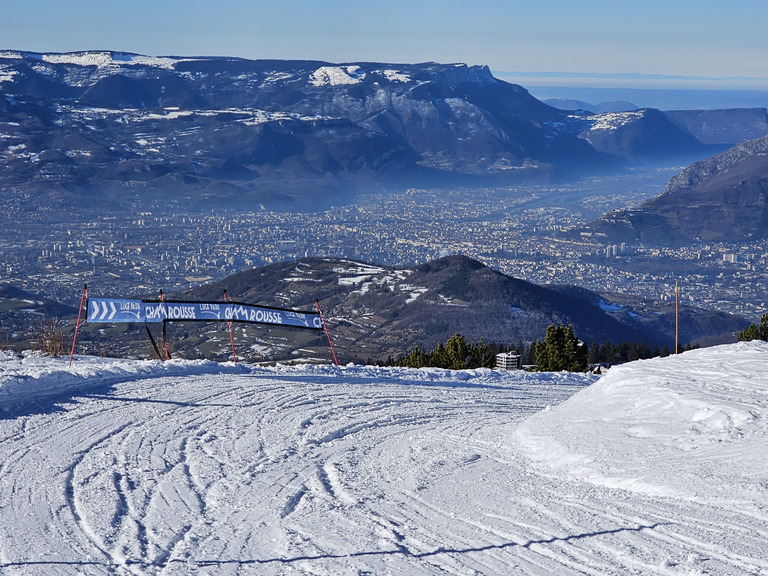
[515,230]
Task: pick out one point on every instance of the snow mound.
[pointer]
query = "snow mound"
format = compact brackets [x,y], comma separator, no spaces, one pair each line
[27,379]
[692,426]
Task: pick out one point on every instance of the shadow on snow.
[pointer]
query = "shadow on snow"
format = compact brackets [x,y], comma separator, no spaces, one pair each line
[400,551]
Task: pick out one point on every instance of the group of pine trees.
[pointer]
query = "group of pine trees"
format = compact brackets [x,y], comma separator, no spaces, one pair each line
[609,353]
[560,350]
[755,332]
[455,354]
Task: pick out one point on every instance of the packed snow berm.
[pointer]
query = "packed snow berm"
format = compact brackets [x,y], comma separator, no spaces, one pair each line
[192,467]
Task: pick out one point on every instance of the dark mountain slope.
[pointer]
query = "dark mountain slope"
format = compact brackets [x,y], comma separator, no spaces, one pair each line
[375,311]
[722,127]
[695,325]
[723,198]
[20,315]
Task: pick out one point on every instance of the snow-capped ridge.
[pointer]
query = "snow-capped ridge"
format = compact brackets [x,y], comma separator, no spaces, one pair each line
[411,120]
[97,58]
[396,76]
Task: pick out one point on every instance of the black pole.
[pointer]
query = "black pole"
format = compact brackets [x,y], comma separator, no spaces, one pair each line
[154,344]
[165,342]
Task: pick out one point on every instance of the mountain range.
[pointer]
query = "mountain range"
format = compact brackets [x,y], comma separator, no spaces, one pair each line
[108,129]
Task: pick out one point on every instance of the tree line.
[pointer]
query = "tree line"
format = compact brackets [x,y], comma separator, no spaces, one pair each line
[754,331]
[455,354]
[560,350]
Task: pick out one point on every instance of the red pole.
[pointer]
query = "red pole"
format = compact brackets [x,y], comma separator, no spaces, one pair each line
[231,339]
[317,305]
[77,326]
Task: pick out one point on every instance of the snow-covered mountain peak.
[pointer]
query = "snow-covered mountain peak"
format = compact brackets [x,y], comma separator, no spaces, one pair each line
[337,75]
[396,76]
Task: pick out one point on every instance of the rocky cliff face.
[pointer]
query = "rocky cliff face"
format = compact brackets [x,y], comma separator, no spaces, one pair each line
[722,127]
[644,133]
[745,155]
[723,199]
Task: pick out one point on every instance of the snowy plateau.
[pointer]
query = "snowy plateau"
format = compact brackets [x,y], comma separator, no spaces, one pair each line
[192,467]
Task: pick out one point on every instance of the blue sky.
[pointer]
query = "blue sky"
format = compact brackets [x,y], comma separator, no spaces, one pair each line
[700,38]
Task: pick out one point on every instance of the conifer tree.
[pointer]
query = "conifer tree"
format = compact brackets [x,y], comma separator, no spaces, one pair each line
[561,350]
[755,332]
[438,358]
[594,353]
[416,359]
[457,352]
[542,360]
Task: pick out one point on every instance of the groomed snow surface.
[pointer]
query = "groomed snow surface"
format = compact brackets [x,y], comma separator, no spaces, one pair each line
[191,467]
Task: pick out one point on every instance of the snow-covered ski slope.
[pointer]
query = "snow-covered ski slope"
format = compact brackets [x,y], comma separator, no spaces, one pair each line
[130,467]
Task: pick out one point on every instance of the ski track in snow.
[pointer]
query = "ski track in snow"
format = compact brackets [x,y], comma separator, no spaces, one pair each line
[133,468]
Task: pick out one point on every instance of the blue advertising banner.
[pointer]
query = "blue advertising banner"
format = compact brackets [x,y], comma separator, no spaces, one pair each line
[109,310]
[102,310]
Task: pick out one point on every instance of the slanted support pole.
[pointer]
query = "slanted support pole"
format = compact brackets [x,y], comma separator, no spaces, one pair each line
[165,341]
[77,326]
[317,305]
[152,338]
[154,344]
[231,338]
